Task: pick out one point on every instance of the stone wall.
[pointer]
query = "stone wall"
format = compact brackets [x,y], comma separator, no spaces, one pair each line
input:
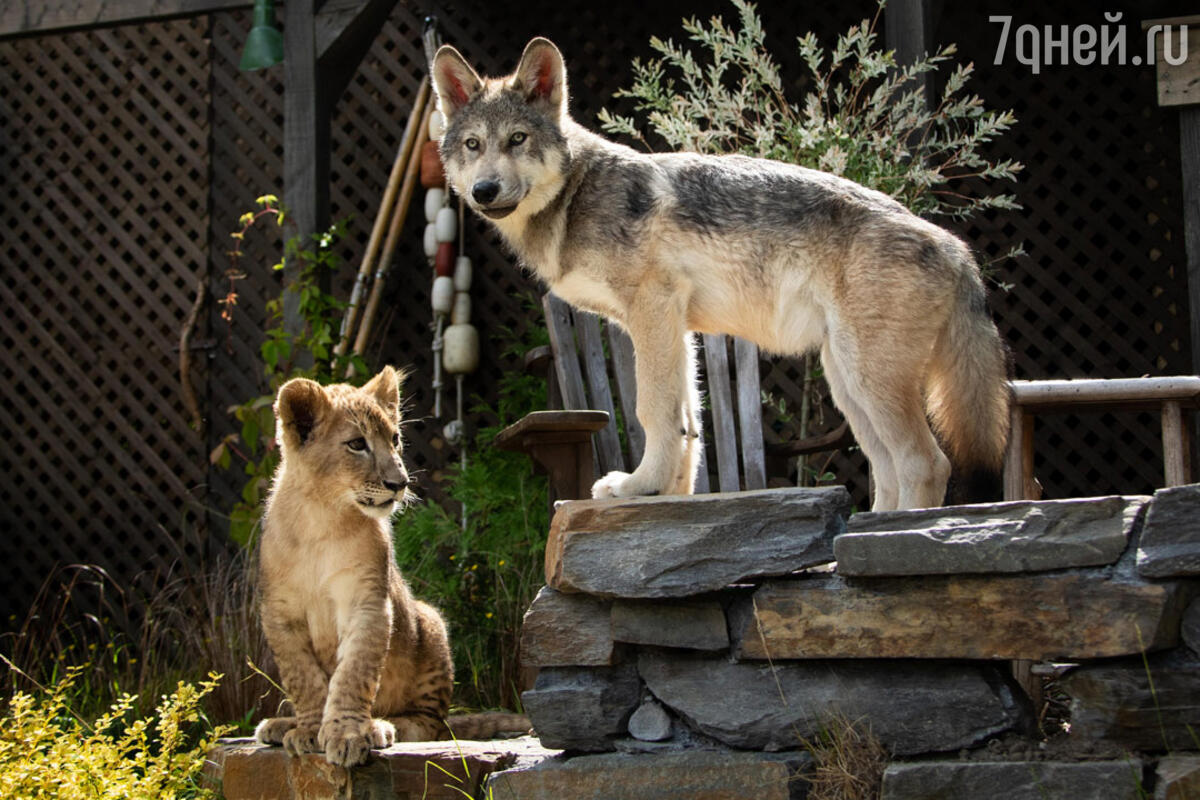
[741,626]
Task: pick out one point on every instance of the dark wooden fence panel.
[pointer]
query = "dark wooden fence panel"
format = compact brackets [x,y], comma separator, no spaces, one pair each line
[104,235]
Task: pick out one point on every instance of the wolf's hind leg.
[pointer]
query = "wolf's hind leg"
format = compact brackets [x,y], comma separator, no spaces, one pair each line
[883,474]
[664,372]
[685,482]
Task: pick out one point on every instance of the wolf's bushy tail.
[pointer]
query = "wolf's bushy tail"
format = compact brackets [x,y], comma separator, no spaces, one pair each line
[967,393]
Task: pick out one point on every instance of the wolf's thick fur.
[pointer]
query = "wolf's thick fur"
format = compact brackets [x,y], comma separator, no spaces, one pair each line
[351,642]
[789,258]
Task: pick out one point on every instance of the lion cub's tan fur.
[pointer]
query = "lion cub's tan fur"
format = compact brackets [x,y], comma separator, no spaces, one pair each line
[351,642]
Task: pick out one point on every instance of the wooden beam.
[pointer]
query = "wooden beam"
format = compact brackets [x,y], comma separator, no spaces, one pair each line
[908,27]
[1189,156]
[306,142]
[344,31]
[26,17]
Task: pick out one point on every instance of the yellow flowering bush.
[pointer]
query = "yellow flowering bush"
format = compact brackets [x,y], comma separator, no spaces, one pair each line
[46,751]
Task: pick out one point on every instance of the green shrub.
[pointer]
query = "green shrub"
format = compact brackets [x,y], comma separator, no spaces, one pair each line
[484,574]
[46,751]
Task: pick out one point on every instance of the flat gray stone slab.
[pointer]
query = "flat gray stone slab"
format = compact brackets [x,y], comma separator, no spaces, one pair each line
[1177,778]
[912,707]
[1170,543]
[561,630]
[1013,780]
[1054,615]
[582,708]
[683,545]
[688,775]
[691,624]
[1151,705]
[1021,536]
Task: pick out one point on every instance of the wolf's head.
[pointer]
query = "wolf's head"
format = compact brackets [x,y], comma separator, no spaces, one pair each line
[504,149]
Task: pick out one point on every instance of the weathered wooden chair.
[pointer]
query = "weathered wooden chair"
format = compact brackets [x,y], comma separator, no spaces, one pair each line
[589,386]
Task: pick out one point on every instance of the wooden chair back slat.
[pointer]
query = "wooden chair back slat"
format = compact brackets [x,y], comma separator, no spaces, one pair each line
[620,348]
[720,398]
[595,372]
[754,466]
[566,357]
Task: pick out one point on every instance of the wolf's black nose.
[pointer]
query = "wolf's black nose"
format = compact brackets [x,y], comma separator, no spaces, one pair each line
[485,192]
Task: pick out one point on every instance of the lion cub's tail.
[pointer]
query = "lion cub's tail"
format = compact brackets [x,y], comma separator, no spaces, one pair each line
[967,395]
[487,725]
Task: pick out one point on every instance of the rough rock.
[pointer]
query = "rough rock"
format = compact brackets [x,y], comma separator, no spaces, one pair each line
[1177,778]
[1123,703]
[1170,543]
[913,707]
[1021,536]
[1189,629]
[242,769]
[1064,615]
[692,624]
[1012,780]
[687,775]
[576,708]
[650,723]
[562,630]
[677,546]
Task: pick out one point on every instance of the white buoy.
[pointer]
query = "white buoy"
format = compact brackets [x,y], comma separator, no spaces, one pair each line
[442,296]
[447,225]
[462,274]
[437,125]
[431,242]
[460,349]
[435,198]
[461,313]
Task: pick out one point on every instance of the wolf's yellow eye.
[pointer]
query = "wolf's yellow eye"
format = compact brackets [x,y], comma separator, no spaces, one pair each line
[517,138]
[472,143]
[358,445]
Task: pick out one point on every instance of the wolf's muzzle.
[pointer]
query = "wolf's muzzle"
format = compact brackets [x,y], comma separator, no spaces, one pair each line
[485,192]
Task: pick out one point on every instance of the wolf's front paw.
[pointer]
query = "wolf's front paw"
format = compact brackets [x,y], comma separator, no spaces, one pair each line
[348,742]
[621,484]
[301,739]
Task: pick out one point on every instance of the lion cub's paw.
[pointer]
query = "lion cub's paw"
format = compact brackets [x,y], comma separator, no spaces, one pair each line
[271,731]
[621,484]
[349,742]
[300,740]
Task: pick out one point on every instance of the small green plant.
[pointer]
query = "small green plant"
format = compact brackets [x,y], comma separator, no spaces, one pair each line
[285,355]
[47,750]
[484,575]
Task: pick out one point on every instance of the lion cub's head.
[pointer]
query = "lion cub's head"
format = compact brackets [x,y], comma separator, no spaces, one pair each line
[342,444]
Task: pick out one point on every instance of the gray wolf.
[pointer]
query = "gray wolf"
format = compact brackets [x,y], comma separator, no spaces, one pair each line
[362,661]
[790,258]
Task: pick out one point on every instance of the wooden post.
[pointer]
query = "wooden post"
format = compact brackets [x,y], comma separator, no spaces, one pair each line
[305,142]
[908,29]
[1014,461]
[1175,444]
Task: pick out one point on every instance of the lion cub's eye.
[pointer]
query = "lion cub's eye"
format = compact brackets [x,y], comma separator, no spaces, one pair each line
[472,143]
[358,445]
[395,440]
[517,138]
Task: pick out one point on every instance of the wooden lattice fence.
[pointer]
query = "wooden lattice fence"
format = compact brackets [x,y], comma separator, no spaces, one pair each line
[129,153]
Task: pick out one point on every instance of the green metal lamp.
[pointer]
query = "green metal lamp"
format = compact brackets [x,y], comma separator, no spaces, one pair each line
[264,44]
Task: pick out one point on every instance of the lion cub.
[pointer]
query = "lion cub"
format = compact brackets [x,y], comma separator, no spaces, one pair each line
[351,642]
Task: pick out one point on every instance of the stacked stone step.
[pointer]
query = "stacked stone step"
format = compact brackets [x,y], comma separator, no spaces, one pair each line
[739,625]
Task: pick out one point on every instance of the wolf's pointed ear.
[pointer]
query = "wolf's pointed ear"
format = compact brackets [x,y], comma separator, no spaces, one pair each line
[385,388]
[456,83]
[300,407]
[541,76]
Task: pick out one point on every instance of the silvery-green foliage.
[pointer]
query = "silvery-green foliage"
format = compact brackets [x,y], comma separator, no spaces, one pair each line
[863,117]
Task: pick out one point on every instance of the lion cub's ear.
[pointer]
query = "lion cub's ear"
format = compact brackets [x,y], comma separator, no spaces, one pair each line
[300,407]
[385,388]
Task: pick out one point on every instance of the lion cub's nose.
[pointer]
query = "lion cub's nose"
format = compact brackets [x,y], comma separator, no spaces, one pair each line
[395,486]
[485,191]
